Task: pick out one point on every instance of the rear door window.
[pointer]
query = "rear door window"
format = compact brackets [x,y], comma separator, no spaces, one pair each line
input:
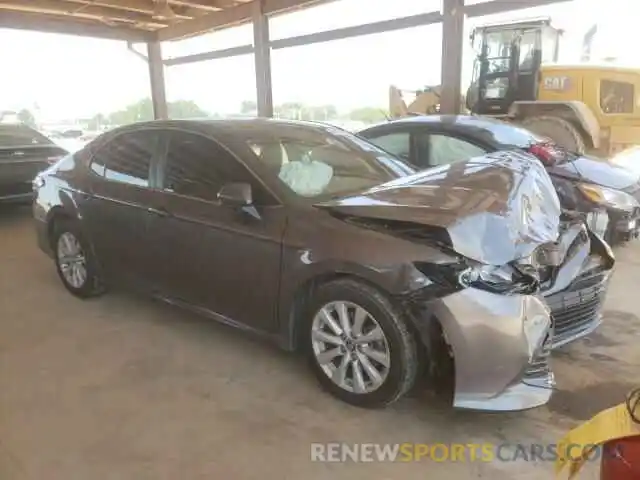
[127,158]
[398,143]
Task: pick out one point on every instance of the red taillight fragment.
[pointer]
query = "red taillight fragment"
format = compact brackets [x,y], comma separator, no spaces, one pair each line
[545,152]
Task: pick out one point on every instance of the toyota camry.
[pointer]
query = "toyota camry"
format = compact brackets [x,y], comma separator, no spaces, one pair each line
[326,244]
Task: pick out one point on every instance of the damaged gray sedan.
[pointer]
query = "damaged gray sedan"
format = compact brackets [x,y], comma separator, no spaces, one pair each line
[326,244]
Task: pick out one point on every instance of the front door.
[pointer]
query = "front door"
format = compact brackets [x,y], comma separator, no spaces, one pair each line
[115,209]
[218,257]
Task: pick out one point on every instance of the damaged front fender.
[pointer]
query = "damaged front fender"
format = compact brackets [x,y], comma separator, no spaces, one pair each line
[500,345]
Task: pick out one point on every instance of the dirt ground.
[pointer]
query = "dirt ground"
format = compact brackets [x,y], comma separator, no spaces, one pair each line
[123,388]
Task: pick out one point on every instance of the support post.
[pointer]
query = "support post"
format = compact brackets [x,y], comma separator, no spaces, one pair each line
[156,77]
[262,55]
[452,52]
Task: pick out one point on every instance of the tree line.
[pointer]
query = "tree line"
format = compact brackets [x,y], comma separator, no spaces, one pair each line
[142,110]
[301,111]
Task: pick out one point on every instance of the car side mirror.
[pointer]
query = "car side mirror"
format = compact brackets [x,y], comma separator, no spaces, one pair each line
[236,194]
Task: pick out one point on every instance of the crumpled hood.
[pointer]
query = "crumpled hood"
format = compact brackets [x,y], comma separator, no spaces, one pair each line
[596,171]
[495,208]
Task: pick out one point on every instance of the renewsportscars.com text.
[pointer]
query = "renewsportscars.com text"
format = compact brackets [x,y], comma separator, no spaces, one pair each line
[454,452]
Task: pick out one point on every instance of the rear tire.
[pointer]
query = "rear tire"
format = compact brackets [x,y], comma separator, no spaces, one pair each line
[74,260]
[561,131]
[377,336]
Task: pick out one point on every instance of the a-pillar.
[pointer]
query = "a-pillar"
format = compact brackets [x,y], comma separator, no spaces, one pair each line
[452,52]
[262,54]
[156,76]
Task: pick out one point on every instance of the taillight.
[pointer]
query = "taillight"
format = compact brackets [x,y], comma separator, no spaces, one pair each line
[547,153]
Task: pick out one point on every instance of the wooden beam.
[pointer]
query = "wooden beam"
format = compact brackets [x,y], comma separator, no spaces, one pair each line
[242,14]
[230,17]
[142,6]
[452,51]
[492,7]
[262,57]
[208,22]
[277,7]
[213,55]
[214,5]
[156,77]
[80,11]
[319,37]
[359,30]
[70,26]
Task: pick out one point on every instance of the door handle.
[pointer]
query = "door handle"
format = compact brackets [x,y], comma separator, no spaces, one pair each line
[160,212]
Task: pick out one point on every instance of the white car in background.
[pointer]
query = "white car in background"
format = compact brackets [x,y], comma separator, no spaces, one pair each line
[70,144]
[629,159]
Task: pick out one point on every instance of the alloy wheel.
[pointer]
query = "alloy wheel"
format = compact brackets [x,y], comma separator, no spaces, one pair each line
[72,260]
[350,347]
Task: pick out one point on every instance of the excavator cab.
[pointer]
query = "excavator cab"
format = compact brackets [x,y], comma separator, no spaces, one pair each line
[507,68]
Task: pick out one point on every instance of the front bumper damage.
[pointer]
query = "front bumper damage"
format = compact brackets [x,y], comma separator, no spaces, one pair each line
[499,219]
[576,292]
[501,344]
[501,348]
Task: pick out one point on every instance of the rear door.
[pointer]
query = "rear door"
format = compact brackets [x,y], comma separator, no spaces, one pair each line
[24,153]
[116,210]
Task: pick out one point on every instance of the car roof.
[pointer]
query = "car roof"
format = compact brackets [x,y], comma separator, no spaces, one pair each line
[449,121]
[236,128]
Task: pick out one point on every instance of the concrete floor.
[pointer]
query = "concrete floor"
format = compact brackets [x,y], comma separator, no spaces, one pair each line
[122,388]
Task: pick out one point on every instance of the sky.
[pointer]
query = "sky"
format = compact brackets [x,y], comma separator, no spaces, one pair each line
[62,76]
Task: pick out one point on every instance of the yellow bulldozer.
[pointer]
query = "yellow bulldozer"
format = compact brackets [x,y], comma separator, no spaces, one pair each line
[587,107]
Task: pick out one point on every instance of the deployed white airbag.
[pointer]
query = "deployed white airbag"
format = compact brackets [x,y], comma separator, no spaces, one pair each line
[307,178]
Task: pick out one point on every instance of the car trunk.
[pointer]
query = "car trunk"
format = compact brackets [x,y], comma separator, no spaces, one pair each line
[20,165]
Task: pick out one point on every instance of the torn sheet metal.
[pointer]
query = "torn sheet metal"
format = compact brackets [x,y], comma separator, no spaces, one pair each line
[495,209]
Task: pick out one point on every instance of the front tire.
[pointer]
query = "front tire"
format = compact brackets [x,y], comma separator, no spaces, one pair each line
[359,345]
[74,260]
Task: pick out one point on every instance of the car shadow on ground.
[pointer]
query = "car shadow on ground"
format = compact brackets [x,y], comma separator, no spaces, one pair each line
[577,397]
[410,419]
[13,214]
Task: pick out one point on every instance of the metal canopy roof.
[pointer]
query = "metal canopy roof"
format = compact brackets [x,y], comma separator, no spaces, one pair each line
[135,20]
[154,21]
